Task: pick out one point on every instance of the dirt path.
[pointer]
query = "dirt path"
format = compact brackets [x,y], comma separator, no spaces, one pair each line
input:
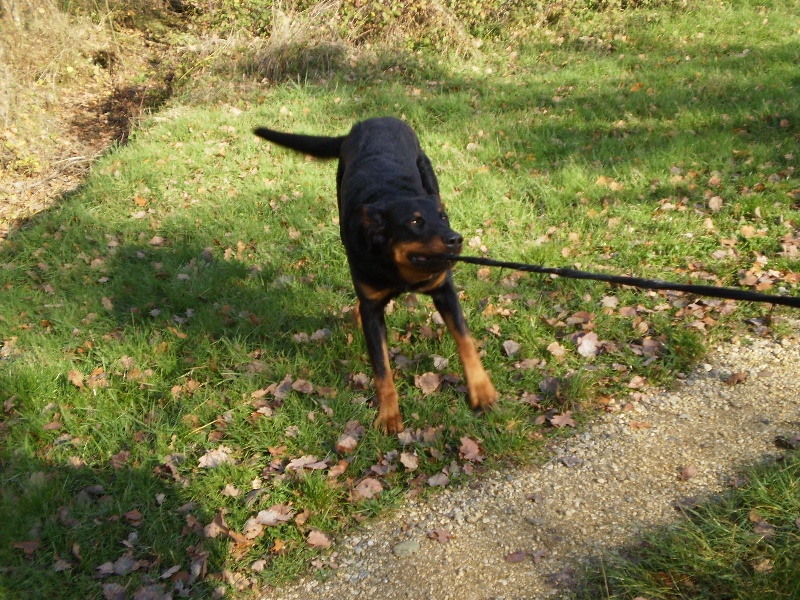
[525,532]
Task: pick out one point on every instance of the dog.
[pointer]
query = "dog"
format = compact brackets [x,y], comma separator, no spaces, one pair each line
[395,230]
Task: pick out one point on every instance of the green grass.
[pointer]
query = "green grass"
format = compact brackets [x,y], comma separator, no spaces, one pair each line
[743,545]
[183,270]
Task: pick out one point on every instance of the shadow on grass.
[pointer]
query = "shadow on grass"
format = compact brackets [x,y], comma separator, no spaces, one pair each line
[103,398]
[76,529]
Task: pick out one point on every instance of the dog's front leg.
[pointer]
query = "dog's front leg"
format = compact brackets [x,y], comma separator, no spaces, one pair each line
[374,325]
[482,394]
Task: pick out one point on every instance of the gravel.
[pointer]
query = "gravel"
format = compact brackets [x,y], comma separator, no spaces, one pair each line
[524,532]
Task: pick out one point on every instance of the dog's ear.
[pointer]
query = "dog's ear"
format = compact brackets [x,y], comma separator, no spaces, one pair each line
[372,225]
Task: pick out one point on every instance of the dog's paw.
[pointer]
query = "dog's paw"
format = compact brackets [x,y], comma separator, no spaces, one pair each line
[482,395]
[389,422]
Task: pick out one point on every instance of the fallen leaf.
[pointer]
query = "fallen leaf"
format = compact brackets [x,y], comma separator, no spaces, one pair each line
[28,547]
[259,565]
[550,385]
[440,535]
[317,539]
[556,350]
[511,348]
[517,556]
[346,444]
[301,518]
[409,461]
[120,459]
[637,381]
[366,489]
[428,382]
[252,528]
[470,450]
[306,462]
[76,378]
[440,479]
[735,378]
[114,591]
[302,386]
[216,457]
[170,572]
[563,420]
[765,566]
[134,517]
[338,469]
[231,491]
[587,347]
[274,515]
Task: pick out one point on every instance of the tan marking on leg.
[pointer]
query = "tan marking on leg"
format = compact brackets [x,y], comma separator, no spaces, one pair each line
[482,394]
[389,419]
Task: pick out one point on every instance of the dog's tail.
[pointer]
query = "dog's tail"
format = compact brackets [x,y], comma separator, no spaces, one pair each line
[317,146]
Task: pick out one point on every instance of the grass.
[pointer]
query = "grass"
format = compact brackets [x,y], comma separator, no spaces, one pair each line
[145,317]
[743,545]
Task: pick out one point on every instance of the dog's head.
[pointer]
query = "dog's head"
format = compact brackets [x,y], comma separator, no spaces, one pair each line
[412,234]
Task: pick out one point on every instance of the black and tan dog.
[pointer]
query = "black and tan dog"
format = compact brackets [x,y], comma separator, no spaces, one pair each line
[394,229]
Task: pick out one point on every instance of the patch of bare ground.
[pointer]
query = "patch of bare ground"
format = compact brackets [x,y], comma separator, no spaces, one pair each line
[70,88]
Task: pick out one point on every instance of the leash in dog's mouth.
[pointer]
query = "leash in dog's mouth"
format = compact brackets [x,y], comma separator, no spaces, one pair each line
[638,282]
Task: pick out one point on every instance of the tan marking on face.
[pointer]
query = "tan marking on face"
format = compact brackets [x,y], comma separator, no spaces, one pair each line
[412,273]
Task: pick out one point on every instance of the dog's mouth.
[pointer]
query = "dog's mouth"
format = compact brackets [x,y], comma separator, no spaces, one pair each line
[429,262]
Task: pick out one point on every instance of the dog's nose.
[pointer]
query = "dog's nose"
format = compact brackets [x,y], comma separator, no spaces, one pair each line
[454,241]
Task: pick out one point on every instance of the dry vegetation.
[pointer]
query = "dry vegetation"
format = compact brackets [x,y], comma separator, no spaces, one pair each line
[69,85]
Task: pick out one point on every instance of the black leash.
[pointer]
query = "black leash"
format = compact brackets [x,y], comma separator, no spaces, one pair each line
[648,284]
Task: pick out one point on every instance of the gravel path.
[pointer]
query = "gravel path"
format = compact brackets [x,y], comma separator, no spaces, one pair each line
[597,492]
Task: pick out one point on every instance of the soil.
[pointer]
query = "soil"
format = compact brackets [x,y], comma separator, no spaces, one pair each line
[89,116]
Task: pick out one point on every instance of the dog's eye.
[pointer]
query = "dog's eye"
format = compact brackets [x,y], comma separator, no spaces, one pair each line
[418,221]
[443,216]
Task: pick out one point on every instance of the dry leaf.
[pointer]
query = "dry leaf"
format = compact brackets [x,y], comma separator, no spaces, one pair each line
[688,472]
[274,515]
[563,420]
[409,461]
[735,378]
[76,378]
[216,457]
[440,535]
[346,444]
[367,488]
[428,382]
[440,479]
[338,469]
[317,539]
[587,347]
[470,450]
[511,348]
[516,557]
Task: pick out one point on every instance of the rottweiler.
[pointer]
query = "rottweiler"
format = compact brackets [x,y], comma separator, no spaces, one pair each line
[395,230]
